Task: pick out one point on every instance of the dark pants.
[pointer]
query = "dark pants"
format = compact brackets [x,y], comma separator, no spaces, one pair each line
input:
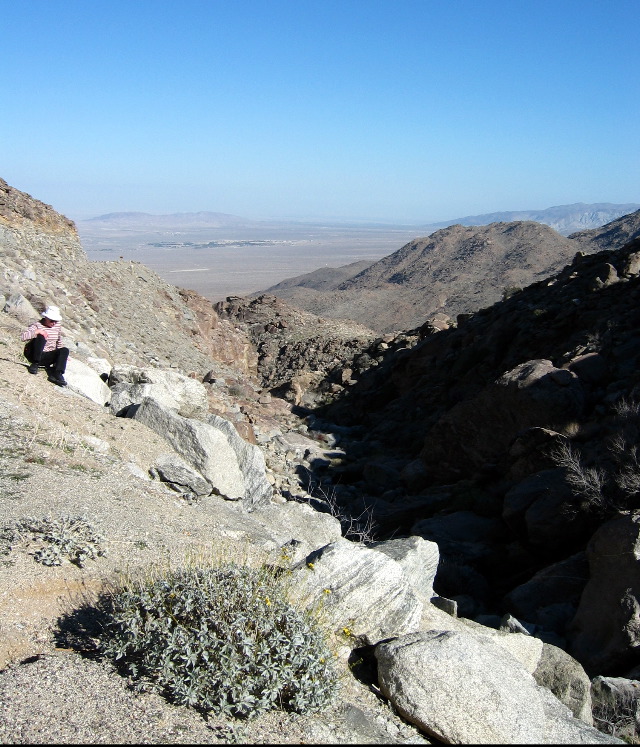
[54,360]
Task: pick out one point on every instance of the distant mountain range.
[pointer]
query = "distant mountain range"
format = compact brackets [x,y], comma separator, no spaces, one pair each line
[147,221]
[458,269]
[564,219]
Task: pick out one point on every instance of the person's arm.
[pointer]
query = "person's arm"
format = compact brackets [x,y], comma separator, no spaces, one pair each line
[29,333]
[34,329]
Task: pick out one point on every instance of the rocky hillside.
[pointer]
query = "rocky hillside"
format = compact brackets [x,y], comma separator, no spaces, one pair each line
[301,357]
[171,446]
[455,270]
[513,435]
[613,234]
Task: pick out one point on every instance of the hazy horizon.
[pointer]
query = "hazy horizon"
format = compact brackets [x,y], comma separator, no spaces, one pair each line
[314,219]
[242,258]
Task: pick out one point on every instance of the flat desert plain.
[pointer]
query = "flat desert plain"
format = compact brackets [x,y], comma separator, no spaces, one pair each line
[240,260]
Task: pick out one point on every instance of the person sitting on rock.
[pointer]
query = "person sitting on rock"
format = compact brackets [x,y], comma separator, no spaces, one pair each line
[44,347]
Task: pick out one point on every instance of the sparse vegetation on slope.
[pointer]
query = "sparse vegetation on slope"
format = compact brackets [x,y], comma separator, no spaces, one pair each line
[225,639]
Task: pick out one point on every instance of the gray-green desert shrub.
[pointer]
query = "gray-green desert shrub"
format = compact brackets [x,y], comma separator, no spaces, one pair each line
[70,538]
[224,639]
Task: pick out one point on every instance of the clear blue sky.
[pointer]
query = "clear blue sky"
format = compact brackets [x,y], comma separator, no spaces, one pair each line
[399,110]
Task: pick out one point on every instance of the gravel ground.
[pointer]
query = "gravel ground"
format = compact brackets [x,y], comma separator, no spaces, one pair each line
[63,698]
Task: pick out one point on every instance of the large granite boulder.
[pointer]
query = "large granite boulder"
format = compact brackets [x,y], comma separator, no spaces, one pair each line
[567,680]
[235,468]
[130,385]
[19,307]
[463,688]
[297,528]
[605,633]
[84,380]
[419,560]
[176,471]
[364,594]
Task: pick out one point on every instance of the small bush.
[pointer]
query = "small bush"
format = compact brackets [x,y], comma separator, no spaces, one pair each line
[610,480]
[617,717]
[69,538]
[224,639]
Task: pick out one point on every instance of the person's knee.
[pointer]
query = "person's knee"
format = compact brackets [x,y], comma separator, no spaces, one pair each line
[36,346]
[62,355]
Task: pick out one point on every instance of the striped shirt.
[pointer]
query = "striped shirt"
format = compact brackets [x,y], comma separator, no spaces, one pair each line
[53,335]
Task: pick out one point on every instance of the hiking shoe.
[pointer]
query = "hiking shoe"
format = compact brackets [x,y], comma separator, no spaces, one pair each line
[57,378]
[33,368]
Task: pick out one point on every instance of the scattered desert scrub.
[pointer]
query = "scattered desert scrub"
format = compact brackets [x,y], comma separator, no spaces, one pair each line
[360,528]
[618,718]
[67,538]
[222,637]
[586,483]
[611,481]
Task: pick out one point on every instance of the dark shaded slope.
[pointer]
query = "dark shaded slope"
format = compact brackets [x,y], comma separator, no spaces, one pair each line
[453,440]
[580,310]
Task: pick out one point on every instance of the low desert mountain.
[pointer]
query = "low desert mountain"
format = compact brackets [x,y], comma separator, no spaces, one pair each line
[456,270]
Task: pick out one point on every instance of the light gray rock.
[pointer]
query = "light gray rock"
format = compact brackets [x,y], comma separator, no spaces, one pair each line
[85,381]
[130,385]
[563,728]
[298,528]
[258,490]
[364,593]
[523,647]
[100,365]
[136,471]
[511,624]
[466,689]
[235,469]
[419,560]
[17,306]
[175,470]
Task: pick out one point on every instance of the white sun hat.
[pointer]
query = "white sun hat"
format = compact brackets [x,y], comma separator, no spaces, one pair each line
[53,313]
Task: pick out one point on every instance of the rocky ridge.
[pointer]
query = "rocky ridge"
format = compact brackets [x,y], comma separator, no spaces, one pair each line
[458,269]
[146,494]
